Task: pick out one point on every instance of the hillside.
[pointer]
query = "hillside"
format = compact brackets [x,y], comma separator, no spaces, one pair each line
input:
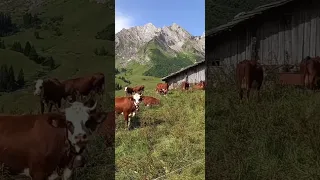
[65,41]
[219,12]
[163,50]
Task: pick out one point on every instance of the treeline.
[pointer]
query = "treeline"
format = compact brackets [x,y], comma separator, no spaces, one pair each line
[219,12]
[107,33]
[31,52]
[8,82]
[7,27]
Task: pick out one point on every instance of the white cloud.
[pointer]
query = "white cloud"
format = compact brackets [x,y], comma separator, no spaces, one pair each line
[122,21]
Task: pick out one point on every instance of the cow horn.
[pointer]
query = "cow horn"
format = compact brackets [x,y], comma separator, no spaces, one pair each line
[93,107]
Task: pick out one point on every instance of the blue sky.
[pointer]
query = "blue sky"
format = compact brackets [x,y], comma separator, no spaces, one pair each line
[189,14]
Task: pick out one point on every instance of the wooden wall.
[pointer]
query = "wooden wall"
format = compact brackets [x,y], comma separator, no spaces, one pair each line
[286,38]
[195,75]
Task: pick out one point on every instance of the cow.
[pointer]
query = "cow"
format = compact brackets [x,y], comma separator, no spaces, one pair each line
[149,101]
[128,106]
[138,89]
[51,92]
[83,86]
[199,86]
[36,145]
[185,85]
[249,75]
[162,88]
[129,91]
[310,69]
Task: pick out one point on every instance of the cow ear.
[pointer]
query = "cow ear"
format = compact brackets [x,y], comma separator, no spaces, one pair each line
[131,98]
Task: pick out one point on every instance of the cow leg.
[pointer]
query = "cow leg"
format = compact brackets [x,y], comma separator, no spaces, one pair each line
[126,118]
[248,94]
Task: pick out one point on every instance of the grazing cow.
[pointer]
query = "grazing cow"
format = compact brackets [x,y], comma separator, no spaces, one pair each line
[42,143]
[51,91]
[185,85]
[199,86]
[128,106]
[83,86]
[162,88]
[310,69]
[149,101]
[249,74]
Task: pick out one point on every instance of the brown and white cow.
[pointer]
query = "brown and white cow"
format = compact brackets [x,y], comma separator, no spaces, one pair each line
[162,88]
[83,86]
[128,106]
[249,75]
[185,85]
[51,92]
[149,101]
[36,145]
[138,89]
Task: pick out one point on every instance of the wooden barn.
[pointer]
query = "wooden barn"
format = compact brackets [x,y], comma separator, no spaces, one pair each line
[276,34]
[192,74]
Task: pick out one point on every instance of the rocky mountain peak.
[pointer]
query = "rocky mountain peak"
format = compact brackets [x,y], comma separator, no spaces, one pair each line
[172,38]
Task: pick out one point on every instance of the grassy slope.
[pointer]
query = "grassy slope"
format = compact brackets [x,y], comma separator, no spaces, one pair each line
[74,51]
[275,139]
[170,137]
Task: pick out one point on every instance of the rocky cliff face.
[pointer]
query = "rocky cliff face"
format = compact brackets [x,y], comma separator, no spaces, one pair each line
[133,43]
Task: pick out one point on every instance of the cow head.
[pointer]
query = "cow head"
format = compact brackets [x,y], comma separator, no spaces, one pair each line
[77,116]
[38,87]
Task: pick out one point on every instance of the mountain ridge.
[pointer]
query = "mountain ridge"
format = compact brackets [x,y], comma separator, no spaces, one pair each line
[157,47]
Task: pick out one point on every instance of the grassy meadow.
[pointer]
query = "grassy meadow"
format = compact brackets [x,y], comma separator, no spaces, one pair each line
[277,138]
[167,138]
[73,50]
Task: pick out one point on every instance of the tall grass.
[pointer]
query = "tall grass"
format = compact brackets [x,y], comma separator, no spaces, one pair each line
[277,138]
[167,137]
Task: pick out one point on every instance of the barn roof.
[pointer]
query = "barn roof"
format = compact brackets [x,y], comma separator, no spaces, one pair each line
[183,69]
[246,16]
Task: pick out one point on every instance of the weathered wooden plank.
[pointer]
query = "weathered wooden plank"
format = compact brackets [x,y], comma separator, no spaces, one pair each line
[295,37]
[300,43]
[306,34]
[317,53]
[238,49]
[275,43]
[233,50]
[288,56]
[269,42]
[248,44]
[281,43]
[265,44]
[313,33]
[260,43]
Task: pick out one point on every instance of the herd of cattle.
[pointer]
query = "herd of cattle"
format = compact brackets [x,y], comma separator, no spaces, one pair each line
[51,145]
[250,75]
